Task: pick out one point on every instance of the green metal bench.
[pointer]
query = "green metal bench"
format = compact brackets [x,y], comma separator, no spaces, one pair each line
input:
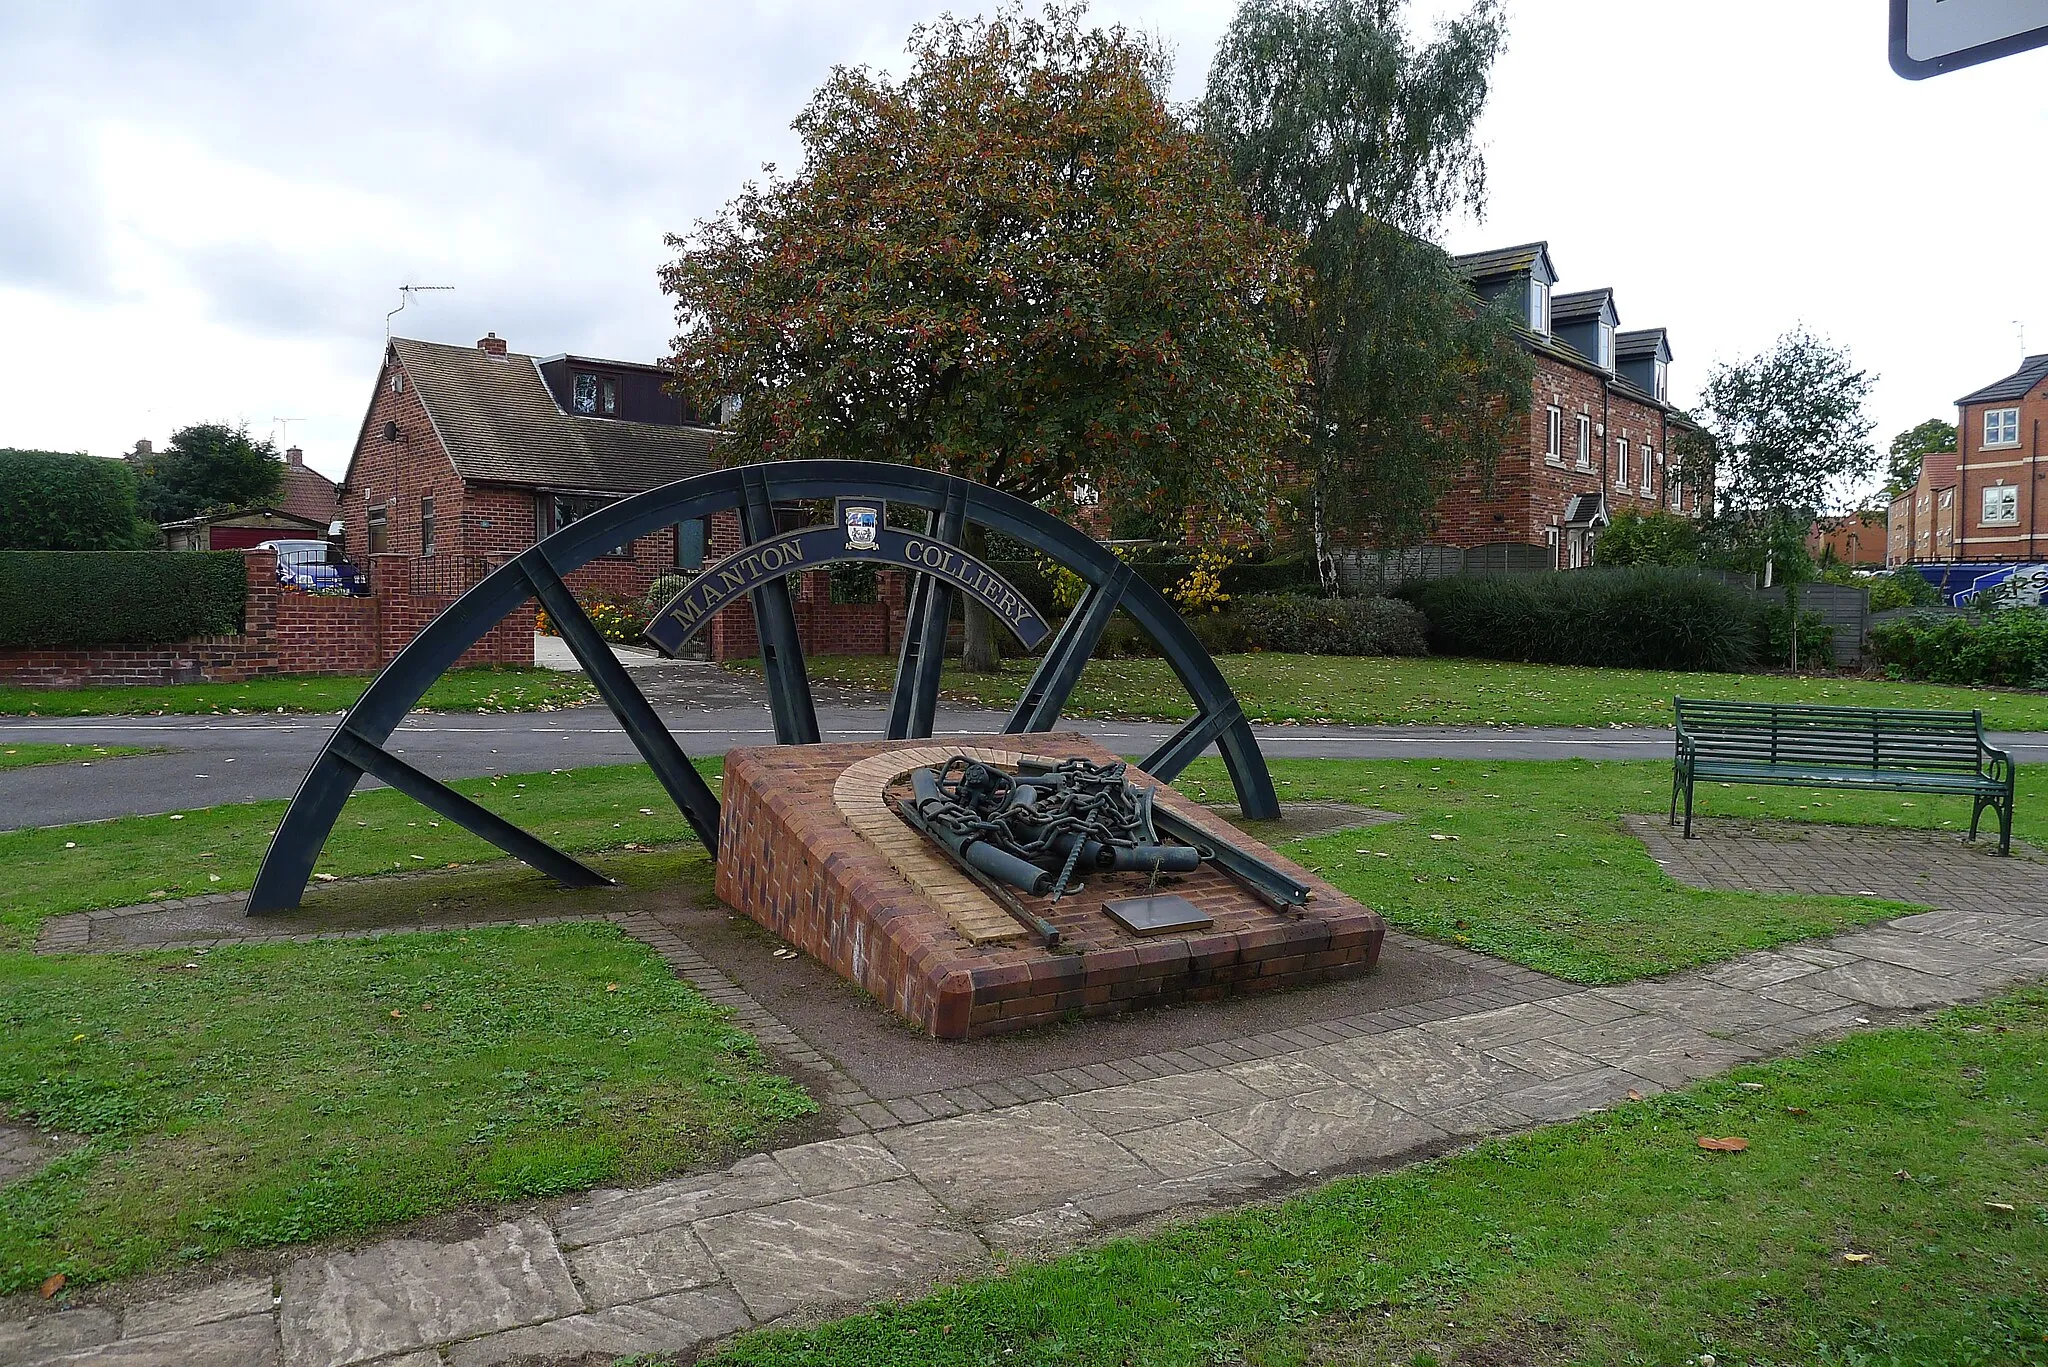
[1884,749]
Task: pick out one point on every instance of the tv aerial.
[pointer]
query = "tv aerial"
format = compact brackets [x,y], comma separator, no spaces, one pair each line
[405,294]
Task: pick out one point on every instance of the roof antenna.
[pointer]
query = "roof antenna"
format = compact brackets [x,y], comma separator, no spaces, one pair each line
[405,294]
[2021,324]
[284,427]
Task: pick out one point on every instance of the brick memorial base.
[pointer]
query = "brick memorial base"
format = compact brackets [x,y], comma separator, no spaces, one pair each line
[810,849]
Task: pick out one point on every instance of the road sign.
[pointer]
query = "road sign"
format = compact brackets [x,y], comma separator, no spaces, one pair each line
[1933,36]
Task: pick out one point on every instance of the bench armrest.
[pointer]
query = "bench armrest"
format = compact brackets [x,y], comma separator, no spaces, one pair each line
[1998,763]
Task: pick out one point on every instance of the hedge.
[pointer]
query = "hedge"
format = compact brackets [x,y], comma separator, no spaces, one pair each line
[54,501]
[2008,647]
[1291,623]
[1636,618]
[88,598]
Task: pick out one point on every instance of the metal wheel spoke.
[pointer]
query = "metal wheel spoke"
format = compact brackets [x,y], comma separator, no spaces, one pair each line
[1184,745]
[1045,697]
[782,652]
[380,764]
[915,699]
[686,787]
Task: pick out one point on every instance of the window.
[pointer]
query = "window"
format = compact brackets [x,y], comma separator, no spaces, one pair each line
[379,518]
[690,544]
[1585,448]
[2001,427]
[1539,306]
[1948,500]
[2001,506]
[1606,345]
[1660,373]
[426,524]
[398,382]
[595,396]
[566,509]
[1648,456]
[1553,434]
[1677,490]
[1621,463]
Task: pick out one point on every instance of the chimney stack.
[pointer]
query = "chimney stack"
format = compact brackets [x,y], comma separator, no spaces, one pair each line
[491,344]
[294,456]
[145,447]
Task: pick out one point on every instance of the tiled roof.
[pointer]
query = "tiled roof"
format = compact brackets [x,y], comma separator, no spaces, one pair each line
[1580,304]
[308,493]
[1938,469]
[1500,261]
[501,426]
[1641,342]
[2014,386]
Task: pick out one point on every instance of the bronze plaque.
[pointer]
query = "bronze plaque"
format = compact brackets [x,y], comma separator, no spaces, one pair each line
[1157,914]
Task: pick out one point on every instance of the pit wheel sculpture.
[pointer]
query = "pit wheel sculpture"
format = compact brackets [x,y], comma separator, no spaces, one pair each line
[357,747]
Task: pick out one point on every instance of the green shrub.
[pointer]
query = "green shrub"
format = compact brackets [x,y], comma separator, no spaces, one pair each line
[1639,618]
[618,620]
[1816,637]
[51,501]
[84,598]
[1658,538]
[1291,623]
[2008,648]
[1902,588]
[1298,624]
[664,588]
[1272,576]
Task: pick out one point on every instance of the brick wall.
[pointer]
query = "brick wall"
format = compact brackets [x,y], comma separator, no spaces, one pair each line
[2022,467]
[1529,491]
[284,631]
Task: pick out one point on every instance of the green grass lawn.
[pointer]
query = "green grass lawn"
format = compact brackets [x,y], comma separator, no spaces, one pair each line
[459,690]
[25,754]
[1856,1230]
[1528,860]
[1438,691]
[261,1095]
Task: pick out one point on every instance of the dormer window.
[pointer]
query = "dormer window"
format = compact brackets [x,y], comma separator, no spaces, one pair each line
[1661,381]
[595,396]
[1539,305]
[1605,345]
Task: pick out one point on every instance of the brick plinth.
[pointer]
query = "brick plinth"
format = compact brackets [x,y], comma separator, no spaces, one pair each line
[790,858]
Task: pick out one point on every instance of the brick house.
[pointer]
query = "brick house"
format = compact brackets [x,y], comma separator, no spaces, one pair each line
[1857,538]
[1981,501]
[1599,432]
[470,454]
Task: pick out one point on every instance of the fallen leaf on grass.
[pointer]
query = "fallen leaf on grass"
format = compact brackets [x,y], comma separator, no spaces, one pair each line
[1728,1144]
[1634,1095]
[52,1284]
[1855,1257]
[396,1014]
[324,877]
[1999,1207]
[611,987]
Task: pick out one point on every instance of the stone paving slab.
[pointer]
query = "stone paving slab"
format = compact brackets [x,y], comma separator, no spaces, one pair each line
[1038,1163]
[838,1249]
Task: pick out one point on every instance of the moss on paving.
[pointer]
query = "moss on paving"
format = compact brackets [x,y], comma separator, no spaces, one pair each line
[1891,1208]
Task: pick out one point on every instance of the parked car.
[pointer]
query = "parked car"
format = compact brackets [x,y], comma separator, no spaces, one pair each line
[313,565]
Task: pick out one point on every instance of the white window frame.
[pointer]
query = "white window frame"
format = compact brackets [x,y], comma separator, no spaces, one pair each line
[2001,428]
[1584,454]
[1621,463]
[1661,379]
[1675,487]
[2007,496]
[1605,345]
[1647,486]
[1948,500]
[1553,434]
[1539,306]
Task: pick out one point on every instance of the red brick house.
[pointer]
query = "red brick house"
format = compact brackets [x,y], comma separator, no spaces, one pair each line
[470,453]
[1599,432]
[1981,501]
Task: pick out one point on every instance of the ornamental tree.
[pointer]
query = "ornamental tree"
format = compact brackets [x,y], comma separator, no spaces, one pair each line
[1342,130]
[1910,448]
[1012,264]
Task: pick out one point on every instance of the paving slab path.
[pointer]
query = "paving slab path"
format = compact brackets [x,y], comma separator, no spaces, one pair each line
[935,1185]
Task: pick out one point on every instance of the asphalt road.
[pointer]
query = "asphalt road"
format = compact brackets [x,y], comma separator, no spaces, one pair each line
[210,760]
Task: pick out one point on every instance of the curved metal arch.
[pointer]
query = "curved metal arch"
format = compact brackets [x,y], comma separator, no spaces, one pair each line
[357,746]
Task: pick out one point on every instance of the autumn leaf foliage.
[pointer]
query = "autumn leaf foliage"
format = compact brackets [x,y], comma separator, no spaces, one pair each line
[1013,263]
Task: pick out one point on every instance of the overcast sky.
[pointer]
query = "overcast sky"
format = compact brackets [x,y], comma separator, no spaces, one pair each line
[205,209]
